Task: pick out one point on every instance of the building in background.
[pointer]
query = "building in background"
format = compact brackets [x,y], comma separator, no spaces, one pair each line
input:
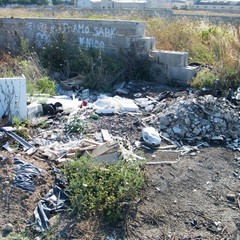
[233,5]
[223,5]
[83,3]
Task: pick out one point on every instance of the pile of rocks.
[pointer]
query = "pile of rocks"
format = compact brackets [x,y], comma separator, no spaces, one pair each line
[200,118]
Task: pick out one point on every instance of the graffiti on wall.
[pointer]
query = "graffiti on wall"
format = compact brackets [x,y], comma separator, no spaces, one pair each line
[87,36]
[42,39]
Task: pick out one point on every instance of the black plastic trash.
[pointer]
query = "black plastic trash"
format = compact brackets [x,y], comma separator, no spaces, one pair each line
[53,202]
[25,173]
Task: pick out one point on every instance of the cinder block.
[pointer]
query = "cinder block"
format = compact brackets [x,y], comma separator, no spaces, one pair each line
[158,73]
[34,110]
[150,43]
[182,75]
[172,58]
[143,45]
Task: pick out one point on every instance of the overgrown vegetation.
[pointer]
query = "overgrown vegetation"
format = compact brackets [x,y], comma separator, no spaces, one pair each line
[214,45]
[104,190]
[22,127]
[29,66]
[100,70]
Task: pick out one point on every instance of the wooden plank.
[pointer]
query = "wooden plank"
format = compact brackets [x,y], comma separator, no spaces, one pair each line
[104,148]
[106,136]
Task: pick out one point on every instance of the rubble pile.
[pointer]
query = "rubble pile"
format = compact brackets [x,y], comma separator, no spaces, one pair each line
[204,118]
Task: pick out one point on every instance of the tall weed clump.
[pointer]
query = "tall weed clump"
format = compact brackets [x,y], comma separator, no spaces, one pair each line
[100,70]
[104,190]
[215,45]
[27,63]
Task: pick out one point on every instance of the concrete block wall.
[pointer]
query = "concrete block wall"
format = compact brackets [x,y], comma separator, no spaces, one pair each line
[110,36]
[172,67]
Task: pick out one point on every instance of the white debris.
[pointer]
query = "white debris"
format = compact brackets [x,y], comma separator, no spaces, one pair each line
[151,136]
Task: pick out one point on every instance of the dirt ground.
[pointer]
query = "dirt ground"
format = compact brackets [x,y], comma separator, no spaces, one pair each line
[191,199]
[190,196]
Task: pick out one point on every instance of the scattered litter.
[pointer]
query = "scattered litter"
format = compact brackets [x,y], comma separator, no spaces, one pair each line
[24,143]
[8,148]
[112,105]
[151,136]
[54,201]
[85,94]
[105,148]
[161,162]
[52,109]
[25,173]
[106,136]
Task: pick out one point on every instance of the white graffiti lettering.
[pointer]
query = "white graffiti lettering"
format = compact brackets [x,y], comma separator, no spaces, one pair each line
[29,26]
[88,36]
[91,43]
[81,29]
[43,27]
[52,29]
[42,39]
[103,32]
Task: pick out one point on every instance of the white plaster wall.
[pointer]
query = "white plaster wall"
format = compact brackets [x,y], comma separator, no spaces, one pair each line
[13,97]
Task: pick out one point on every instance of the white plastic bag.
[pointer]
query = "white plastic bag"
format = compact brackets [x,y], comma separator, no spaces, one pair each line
[151,136]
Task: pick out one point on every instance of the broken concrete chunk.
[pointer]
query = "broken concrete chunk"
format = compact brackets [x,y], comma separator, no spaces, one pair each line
[8,227]
[176,130]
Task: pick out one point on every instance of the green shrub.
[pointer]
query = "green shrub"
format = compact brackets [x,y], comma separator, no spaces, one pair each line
[205,78]
[75,125]
[106,190]
[46,85]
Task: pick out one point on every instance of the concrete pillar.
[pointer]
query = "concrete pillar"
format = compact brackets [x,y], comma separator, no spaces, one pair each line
[13,97]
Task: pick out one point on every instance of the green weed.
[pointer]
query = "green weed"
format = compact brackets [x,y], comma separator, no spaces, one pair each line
[75,125]
[46,85]
[105,190]
[204,78]
[21,126]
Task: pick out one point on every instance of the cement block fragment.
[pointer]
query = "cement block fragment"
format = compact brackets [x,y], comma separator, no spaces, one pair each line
[182,75]
[34,110]
[172,58]
[171,74]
